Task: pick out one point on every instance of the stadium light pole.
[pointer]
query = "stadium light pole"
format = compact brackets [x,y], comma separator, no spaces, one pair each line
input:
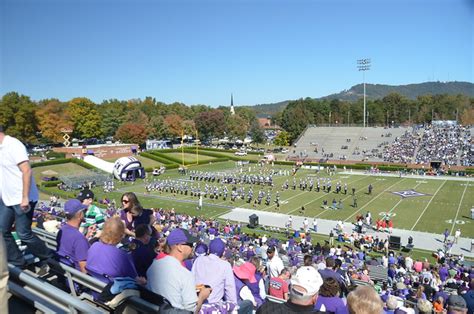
[363,65]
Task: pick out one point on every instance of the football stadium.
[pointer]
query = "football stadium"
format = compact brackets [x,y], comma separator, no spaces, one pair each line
[236,157]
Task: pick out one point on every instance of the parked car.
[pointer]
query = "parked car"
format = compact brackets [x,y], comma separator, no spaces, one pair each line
[240,153]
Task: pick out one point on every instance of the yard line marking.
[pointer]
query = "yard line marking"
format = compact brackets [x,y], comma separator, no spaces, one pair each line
[459,207]
[374,199]
[221,214]
[427,205]
[324,194]
[349,195]
[401,199]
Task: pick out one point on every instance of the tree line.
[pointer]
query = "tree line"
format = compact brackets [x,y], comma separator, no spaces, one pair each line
[131,121]
[392,109]
[134,121]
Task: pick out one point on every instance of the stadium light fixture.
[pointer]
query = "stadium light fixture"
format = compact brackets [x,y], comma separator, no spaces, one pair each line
[364,65]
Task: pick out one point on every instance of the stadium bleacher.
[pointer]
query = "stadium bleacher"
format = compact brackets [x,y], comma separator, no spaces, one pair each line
[450,144]
[331,142]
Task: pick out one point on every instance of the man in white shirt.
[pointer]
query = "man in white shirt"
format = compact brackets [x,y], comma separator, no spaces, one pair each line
[169,278]
[18,197]
[457,234]
[274,264]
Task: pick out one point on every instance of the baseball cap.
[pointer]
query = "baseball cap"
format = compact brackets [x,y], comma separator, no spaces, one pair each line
[72,206]
[85,194]
[217,247]
[271,249]
[201,249]
[308,278]
[456,302]
[180,236]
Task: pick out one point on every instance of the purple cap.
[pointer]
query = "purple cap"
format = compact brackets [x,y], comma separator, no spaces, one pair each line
[73,206]
[217,247]
[201,249]
[180,236]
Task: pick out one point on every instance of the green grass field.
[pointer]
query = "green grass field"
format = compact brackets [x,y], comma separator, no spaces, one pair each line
[446,203]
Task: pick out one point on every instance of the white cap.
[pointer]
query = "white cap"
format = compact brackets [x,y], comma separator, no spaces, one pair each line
[308,278]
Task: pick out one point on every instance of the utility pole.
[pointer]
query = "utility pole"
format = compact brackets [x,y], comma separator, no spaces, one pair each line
[364,65]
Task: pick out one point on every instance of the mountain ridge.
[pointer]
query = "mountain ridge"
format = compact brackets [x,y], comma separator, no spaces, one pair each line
[377,91]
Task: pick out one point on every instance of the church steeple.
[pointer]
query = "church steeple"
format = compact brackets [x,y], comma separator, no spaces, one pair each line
[232,111]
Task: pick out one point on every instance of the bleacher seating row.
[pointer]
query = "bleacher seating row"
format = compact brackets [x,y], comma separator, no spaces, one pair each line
[329,140]
[42,294]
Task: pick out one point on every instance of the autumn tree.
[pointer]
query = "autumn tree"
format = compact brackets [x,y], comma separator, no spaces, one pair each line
[174,125]
[157,128]
[210,123]
[113,113]
[237,126]
[132,133]
[52,117]
[282,139]
[18,116]
[85,118]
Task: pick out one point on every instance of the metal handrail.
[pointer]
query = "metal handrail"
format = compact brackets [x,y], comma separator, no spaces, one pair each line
[51,293]
[36,301]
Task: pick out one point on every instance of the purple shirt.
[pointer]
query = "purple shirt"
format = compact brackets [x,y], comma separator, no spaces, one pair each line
[106,259]
[73,244]
[331,304]
[217,273]
[443,273]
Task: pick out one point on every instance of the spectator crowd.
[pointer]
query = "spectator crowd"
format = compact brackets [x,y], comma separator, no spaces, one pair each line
[207,266]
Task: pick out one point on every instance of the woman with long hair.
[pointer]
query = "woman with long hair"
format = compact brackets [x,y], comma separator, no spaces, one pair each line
[329,300]
[133,214]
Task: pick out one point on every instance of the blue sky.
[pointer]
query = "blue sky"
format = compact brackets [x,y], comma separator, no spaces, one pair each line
[201,51]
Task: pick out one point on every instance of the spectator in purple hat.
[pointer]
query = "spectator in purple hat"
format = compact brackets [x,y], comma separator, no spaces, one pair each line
[72,245]
[212,270]
[143,249]
[169,278]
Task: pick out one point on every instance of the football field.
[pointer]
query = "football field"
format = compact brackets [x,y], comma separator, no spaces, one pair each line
[428,204]
[413,203]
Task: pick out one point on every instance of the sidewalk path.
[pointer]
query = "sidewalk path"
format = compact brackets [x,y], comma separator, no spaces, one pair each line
[421,240]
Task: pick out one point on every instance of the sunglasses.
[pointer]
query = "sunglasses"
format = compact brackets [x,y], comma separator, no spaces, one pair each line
[125,201]
[191,245]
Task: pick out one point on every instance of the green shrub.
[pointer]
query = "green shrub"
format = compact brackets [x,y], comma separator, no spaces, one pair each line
[171,159]
[158,157]
[48,184]
[65,195]
[84,164]
[55,155]
[153,155]
[50,162]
